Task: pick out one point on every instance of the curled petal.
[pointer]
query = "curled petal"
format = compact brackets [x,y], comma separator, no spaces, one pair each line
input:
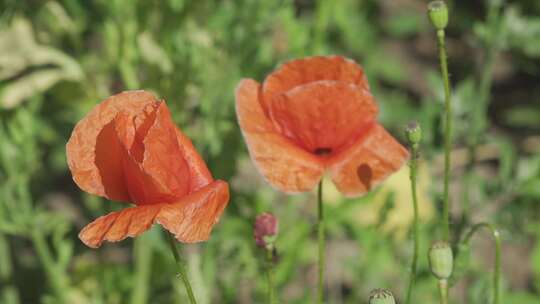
[190,219]
[283,164]
[302,71]
[367,162]
[199,174]
[323,114]
[93,148]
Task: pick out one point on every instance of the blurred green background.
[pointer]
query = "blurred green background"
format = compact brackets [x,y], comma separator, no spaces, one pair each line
[59,58]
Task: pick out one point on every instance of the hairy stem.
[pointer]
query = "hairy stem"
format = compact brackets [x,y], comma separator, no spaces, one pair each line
[413,164]
[497,271]
[443,291]
[321,236]
[181,269]
[447,134]
[270,275]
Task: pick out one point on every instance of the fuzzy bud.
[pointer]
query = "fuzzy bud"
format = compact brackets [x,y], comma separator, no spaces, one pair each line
[265,230]
[381,296]
[413,133]
[438,14]
[441,260]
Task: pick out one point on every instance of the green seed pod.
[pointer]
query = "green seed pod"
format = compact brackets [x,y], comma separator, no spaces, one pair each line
[441,260]
[381,296]
[438,14]
[413,133]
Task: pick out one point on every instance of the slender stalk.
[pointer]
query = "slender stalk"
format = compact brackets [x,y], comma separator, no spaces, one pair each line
[447,134]
[270,275]
[443,290]
[497,271]
[143,261]
[181,269]
[320,232]
[413,164]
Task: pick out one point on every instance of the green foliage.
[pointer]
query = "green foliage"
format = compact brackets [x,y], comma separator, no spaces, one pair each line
[59,58]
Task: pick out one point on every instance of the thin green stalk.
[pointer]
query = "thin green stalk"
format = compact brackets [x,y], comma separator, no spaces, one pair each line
[320,232]
[413,164]
[443,290]
[497,271]
[270,275]
[447,134]
[181,269]
[143,261]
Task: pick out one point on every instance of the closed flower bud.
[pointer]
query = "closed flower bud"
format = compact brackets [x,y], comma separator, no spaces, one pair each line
[441,260]
[438,14]
[381,296]
[265,230]
[413,133]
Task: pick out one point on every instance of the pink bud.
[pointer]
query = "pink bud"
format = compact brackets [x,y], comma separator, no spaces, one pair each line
[265,230]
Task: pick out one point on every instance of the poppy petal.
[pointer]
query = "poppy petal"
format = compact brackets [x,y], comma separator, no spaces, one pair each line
[200,176]
[302,71]
[116,226]
[284,165]
[163,160]
[323,114]
[93,143]
[367,162]
[192,217]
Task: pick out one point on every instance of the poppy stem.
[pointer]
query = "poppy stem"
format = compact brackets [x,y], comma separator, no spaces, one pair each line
[321,235]
[497,272]
[413,164]
[447,133]
[443,290]
[270,274]
[181,269]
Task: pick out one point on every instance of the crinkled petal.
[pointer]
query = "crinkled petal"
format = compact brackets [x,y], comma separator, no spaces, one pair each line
[192,217]
[163,160]
[85,152]
[323,115]
[302,71]
[371,159]
[119,225]
[200,176]
[283,164]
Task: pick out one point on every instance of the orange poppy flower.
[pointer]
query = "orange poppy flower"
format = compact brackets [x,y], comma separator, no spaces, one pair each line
[128,149]
[315,115]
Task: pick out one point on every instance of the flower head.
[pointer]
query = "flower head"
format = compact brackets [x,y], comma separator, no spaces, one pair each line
[314,115]
[128,149]
[265,230]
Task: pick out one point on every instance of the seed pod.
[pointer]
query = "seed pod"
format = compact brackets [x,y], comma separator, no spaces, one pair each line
[413,133]
[441,260]
[438,14]
[381,296]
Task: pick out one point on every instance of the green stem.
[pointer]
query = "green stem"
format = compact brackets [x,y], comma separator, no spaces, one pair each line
[320,232]
[443,291]
[270,274]
[413,164]
[497,272]
[143,261]
[181,269]
[447,134]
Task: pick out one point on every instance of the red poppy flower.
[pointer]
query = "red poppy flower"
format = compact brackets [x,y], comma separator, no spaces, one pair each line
[314,115]
[128,149]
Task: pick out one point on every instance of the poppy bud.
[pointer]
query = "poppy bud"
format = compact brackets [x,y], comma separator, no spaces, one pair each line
[438,14]
[413,133]
[381,296]
[265,230]
[441,260]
